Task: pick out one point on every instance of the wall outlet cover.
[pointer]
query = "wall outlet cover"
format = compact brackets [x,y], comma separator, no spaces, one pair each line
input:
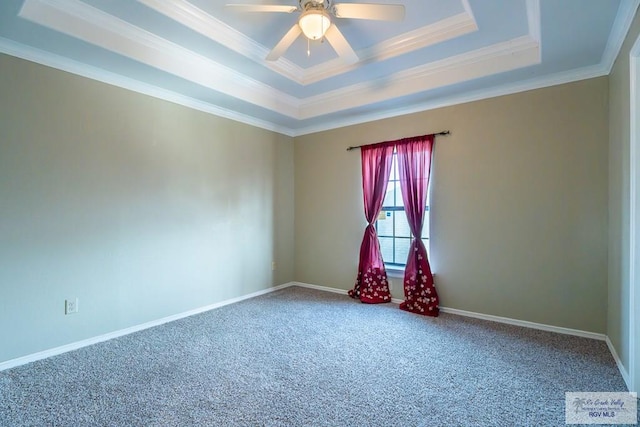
[71,306]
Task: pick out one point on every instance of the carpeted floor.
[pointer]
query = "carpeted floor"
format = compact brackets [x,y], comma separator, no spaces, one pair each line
[300,357]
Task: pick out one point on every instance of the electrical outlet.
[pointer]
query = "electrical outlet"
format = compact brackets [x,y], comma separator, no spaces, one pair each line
[273,266]
[71,306]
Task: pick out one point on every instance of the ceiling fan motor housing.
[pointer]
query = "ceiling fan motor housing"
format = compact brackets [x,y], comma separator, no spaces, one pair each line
[314,5]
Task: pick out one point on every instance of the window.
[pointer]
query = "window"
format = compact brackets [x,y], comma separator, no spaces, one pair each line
[392,226]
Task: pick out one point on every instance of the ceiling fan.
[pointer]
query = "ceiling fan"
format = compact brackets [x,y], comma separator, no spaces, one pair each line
[315,22]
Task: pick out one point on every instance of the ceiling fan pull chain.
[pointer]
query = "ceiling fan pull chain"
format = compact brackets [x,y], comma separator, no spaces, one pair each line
[308,48]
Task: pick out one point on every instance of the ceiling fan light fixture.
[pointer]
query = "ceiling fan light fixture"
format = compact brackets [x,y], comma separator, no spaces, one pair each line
[314,24]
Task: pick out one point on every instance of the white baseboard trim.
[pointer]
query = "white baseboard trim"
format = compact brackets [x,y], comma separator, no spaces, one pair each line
[526,324]
[621,368]
[507,320]
[319,288]
[12,363]
[333,290]
[115,334]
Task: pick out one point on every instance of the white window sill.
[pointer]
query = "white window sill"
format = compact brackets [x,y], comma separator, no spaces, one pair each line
[394,271]
[398,272]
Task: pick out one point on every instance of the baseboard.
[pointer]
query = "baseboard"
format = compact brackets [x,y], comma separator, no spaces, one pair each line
[333,290]
[105,337]
[319,288]
[526,324]
[12,363]
[489,317]
[621,368]
[509,321]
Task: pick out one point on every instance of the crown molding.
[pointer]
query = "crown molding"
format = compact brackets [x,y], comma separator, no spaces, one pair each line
[203,23]
[500,57]
[87,23]
[200,21]
[624,19]
[463,67]
[533,19]
[446,29]
[57,62]
[478,95]
[533,23]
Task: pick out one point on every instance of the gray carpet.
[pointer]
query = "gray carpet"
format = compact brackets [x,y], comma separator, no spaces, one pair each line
[299,357]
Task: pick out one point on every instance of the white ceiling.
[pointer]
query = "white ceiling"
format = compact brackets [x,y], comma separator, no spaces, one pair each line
[204,55]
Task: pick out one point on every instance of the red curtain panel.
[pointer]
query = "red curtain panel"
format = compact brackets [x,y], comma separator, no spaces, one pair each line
[371,284]
[414,166]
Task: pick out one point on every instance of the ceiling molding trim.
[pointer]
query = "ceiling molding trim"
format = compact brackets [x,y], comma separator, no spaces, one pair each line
[517,53]
[446,29]
[533,19]
[464,66]
[200,21]
[57,62]
[96,27]
[534,23]
[467,8]
[203,23]
[478,95]
[624,19]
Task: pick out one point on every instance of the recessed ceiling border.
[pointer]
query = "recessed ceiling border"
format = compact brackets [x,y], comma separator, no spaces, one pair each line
[446,29]
[47,59]
[512,54]
[200,21]
[501,90]
[620,28]
[624,18]
[94,26]
[87,23]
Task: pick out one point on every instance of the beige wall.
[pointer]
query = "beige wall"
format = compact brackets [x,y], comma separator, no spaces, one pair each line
[140,208]
[519,204]
[619,116]
[115,197]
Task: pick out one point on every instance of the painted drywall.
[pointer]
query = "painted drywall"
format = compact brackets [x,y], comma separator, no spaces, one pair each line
[138,207]
[619,116]
[518,204]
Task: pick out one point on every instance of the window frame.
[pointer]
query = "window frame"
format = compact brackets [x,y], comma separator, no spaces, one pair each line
[396,266]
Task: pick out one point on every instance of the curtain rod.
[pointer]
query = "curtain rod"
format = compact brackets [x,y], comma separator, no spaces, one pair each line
[444,132]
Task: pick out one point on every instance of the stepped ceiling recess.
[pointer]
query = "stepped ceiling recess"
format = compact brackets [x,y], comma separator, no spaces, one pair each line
[208,56]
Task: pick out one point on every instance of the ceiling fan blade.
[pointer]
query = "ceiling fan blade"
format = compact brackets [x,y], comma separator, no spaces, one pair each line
[377,12]
[263,8]
[341,45]
[284,43]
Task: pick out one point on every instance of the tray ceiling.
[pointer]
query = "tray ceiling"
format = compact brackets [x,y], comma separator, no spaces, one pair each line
[205,55]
